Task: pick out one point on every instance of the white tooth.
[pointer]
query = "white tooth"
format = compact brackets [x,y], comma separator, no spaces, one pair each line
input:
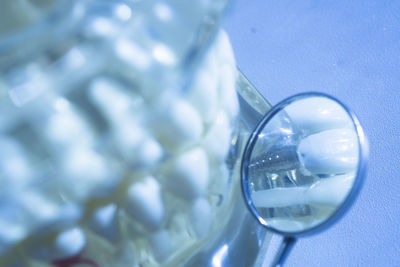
[279,197]
[39,210]
[70,242]
[149,152]
[161,244]
[87,174]
[201,217]
[330,191]
[313,115]
[50,217]
[104,222]
[128,135]
[224,49]
[65,127]
[137,146]
[132,54]
[14,170]
[177,124]
[227,93]
[217,139]
[143,202]
[330,152]
[203,93]
[327,191]
[66,244]
[188,175]
[111,98]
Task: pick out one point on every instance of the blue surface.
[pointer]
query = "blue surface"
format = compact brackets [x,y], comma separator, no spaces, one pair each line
[351,50]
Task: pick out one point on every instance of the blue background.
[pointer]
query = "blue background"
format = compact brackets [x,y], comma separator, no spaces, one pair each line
[351,50]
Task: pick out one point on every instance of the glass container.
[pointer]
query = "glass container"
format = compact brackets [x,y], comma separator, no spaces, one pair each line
[122,126]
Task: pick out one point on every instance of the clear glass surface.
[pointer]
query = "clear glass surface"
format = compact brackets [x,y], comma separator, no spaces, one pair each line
[121,134]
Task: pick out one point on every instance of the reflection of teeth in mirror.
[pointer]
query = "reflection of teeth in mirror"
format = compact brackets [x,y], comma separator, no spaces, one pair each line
[326,191]
[279,197]
[160,242]
[143,202]
[66,244]
[104,222]
[290,225]
[88,174]
[330,191]
[187,177]
[216,141]
[318,114]
[201,217]
[177,125]
[329,152]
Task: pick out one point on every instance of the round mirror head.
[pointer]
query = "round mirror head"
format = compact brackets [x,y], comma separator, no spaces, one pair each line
[304,164]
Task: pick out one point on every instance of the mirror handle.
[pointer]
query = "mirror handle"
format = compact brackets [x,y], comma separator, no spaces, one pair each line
[284,250]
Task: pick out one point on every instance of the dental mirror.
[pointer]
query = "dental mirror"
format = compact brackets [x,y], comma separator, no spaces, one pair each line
[303,166]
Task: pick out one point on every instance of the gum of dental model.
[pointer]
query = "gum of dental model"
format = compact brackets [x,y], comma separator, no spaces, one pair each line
[326,191]
[66,244]
[329,152]
[104,222]
[176,124]
[217,139]
[313,115]
[200,215]
[144,202]
[88,174]
[187,176]
[160,242]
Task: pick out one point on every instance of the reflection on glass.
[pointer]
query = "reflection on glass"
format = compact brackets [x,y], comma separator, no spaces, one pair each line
[303,163]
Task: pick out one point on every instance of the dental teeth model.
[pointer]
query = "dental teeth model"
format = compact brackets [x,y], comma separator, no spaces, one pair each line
[140,196]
